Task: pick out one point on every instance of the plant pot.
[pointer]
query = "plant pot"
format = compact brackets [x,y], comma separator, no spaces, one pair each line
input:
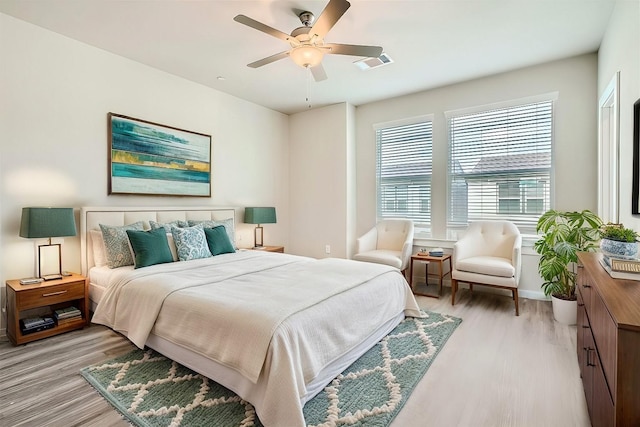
[564,311]
[616,249]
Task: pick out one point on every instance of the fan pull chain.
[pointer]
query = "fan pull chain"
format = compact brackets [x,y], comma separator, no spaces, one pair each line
[308,86]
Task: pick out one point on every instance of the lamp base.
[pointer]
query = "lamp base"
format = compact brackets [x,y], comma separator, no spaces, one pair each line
[257,238]
[46,266]
[52,277]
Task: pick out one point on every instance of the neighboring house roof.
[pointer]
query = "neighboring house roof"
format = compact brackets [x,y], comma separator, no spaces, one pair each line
[490,165]
[522,162]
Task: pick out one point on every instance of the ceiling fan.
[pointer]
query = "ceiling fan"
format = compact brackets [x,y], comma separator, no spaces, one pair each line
[307,42]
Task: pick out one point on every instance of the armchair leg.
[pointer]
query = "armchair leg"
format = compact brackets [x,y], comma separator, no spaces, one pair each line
[515,298]
[454,289]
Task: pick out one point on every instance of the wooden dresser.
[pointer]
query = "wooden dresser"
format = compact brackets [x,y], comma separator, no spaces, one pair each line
[608,344]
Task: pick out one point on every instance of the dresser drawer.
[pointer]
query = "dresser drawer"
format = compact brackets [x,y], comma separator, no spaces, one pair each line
[605,335]
[48,295]
[583,286]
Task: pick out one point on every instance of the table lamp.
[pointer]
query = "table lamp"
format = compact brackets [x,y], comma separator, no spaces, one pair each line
[40,223]
[259,216]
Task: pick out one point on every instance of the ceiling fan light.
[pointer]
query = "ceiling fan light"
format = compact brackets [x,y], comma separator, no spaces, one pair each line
[306,56]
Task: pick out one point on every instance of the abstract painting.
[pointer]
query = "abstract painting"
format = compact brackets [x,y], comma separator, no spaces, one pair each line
[154,159]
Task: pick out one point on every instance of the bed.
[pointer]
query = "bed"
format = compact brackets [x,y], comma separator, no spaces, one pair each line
[305,320]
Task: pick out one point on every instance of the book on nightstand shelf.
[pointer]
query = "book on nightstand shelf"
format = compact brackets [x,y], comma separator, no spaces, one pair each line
[67,314]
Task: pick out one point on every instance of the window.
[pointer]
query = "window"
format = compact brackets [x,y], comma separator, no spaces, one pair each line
[403,171]
[500,164]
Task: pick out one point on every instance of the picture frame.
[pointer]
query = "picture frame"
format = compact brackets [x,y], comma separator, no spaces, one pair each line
[147,158]
[635,186]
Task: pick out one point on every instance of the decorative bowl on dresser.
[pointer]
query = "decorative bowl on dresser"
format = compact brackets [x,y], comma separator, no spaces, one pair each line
[608,343]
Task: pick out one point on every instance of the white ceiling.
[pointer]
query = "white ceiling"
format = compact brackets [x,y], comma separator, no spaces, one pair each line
[433,42]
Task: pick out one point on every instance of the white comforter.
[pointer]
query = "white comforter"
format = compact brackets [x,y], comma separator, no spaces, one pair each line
[295,314]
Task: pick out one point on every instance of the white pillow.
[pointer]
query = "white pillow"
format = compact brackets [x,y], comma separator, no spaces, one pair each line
[97,246]
[172,246]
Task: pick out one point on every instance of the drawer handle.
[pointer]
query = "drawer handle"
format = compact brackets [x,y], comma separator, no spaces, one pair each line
[580,304]
[590,351]
[54,293]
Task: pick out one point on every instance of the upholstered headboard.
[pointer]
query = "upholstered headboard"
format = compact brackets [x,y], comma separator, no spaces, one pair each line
[92,217]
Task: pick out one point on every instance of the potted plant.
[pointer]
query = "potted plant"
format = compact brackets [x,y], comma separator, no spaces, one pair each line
[563,234]
[618,241]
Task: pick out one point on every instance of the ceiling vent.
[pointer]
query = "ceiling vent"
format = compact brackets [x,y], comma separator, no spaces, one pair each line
[369,63]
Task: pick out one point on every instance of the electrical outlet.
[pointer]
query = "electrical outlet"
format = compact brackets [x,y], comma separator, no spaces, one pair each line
[327,249]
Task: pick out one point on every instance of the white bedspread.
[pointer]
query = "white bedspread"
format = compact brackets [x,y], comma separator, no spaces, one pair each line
[295,315]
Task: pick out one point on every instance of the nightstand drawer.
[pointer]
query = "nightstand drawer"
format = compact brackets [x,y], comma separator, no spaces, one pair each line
[48,295]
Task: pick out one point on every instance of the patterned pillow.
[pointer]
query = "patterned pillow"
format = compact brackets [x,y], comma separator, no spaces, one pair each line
[167,225]
[228,225]
[191,242]
[116,243]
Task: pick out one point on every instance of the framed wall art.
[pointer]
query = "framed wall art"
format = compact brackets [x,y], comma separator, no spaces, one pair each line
[153,159]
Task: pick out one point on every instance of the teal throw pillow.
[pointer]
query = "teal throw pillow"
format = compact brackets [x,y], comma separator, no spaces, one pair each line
[191,243]
[116,243]
[218,240]
[149,247]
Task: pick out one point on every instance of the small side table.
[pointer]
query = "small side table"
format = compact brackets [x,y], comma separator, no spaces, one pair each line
[439,260]
[48,296]
[269,249]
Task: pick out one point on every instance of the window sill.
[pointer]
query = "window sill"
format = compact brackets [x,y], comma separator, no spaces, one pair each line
[428,242]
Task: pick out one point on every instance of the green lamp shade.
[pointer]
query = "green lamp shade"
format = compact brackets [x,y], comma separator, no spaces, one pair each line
[260,215]
[47,222]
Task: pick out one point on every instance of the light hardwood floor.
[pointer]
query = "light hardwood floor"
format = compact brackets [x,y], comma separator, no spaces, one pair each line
[496,370]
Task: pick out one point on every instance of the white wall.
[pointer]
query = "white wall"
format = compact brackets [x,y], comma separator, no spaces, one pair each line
[575,139]
[620,51]
[56,93]
[320,188]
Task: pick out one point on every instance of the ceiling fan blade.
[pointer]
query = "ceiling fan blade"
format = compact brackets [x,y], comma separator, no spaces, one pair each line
[318,73]
[243,19]
[329,16]
[354,49]
[269,59]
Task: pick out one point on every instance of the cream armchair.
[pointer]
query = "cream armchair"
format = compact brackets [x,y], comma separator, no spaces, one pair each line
[390,242]
[488,254]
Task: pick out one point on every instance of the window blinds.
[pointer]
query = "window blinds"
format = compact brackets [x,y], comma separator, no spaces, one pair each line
[500,164]
[403,172]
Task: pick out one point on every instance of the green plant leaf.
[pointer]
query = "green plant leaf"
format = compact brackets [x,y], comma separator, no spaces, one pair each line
[563,234]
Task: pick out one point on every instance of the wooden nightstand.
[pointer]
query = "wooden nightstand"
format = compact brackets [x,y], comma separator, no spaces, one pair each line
[50,295]
[269,249]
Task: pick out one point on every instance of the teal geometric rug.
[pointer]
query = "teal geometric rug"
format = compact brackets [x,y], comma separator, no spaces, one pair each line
[150,390]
